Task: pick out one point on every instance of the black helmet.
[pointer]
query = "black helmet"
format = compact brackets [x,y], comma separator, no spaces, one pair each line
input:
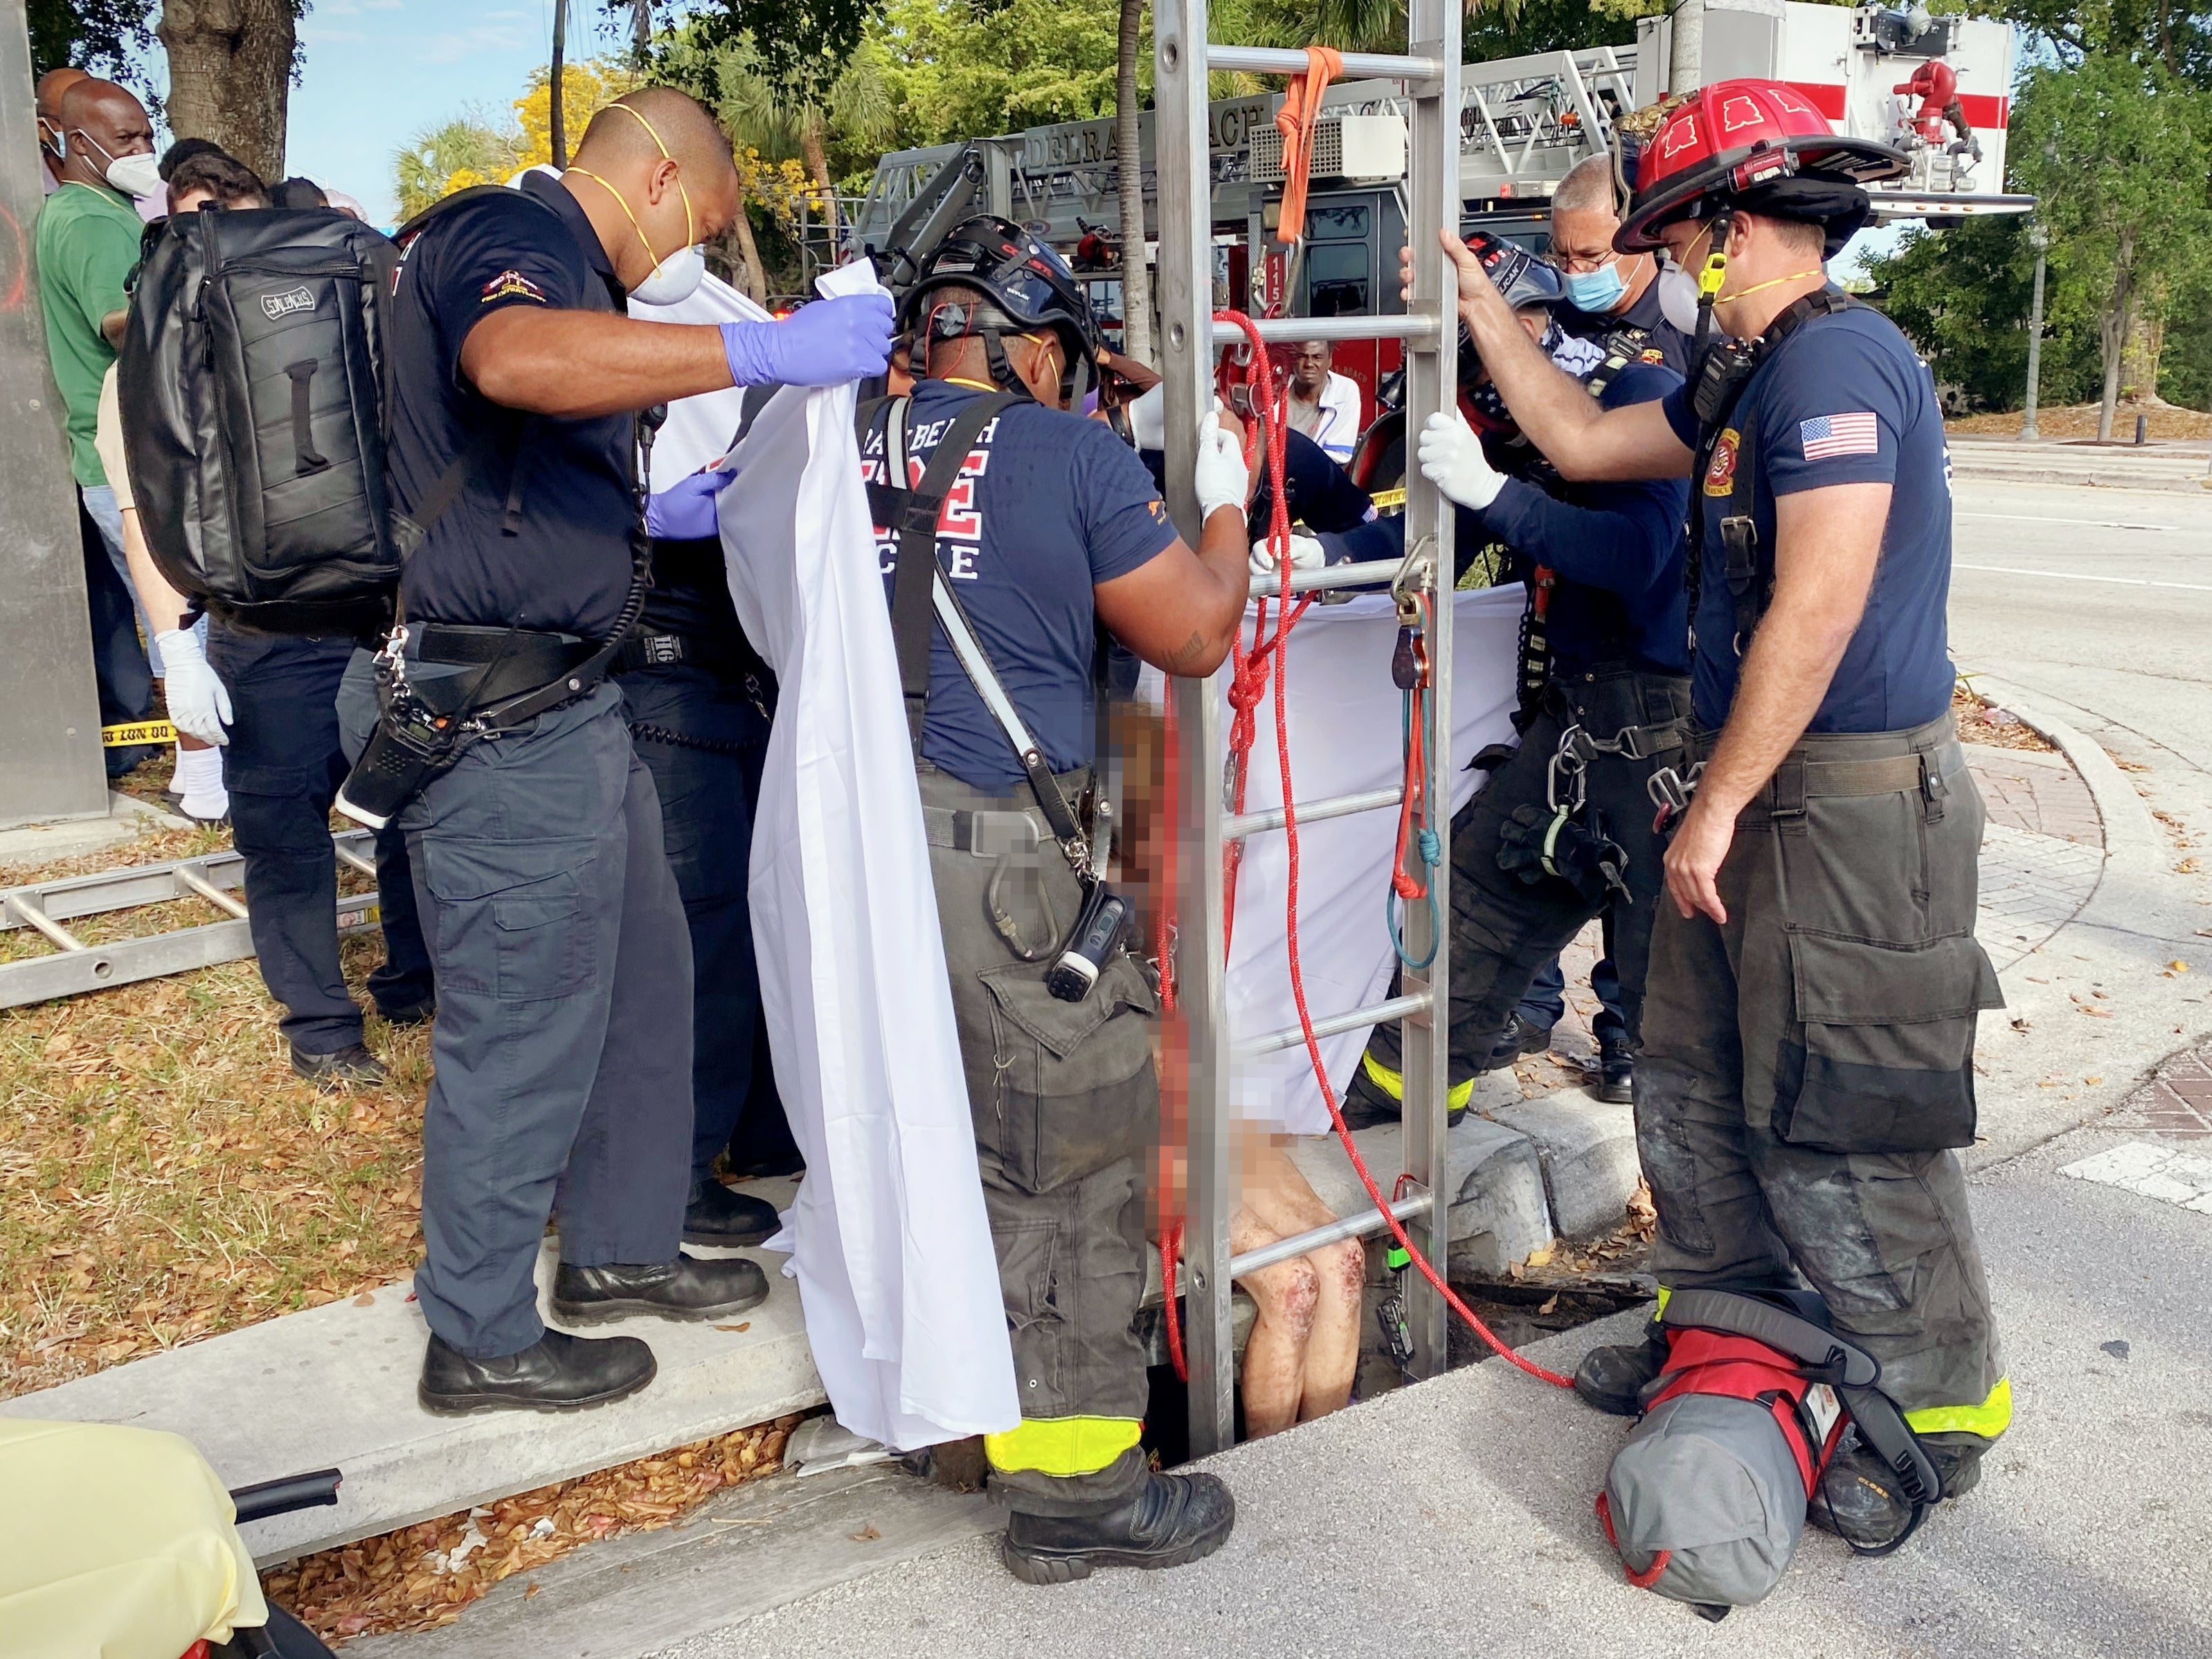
[1028,287]
[1517,274]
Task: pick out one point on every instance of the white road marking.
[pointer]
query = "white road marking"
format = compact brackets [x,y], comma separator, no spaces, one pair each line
[2039,517]
[2160,1172]
[2078,576]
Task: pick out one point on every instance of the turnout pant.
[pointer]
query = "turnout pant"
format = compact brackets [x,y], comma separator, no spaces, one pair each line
[1066,1102]
[702,738]
[1504,930]
[563,1044]
[1808,1066]
[283,767]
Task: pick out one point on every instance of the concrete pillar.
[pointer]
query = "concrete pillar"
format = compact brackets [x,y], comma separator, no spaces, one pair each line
[50,758]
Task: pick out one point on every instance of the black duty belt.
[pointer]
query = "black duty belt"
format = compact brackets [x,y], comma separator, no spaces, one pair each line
[643,648]
[515,660]
[1619,710]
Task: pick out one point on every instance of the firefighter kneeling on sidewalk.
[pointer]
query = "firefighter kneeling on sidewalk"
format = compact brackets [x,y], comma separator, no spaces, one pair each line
[1808,1064]
[1023,526]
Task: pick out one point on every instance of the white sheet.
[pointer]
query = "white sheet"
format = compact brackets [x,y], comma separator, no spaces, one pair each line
[889,1242]
[698,429]
[1345,723]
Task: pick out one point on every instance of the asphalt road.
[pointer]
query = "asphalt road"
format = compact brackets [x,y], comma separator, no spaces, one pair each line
[2101,599]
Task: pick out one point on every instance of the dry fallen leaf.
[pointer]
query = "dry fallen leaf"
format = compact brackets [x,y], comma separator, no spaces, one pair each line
[746,1326]
[1550,1305]
[366,1299]
[2093,1079]
[866,1534]
[1542,1258]
[2177,967]
[2097,1013]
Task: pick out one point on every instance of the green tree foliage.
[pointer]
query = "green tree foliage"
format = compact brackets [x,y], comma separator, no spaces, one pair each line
[1963,296]
[962,69]
[474,148]
[100,36]
[2116,151]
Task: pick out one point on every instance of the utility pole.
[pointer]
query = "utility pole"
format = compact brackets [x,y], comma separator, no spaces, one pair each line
[557,125]
[49,758]
[2040,239]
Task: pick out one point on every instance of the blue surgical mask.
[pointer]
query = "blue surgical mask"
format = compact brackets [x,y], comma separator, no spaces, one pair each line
[1596,291]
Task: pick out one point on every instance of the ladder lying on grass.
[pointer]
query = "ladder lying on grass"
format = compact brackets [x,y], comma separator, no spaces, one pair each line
[75,967]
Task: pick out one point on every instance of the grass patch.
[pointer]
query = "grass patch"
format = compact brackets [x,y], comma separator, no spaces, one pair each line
[163,1176]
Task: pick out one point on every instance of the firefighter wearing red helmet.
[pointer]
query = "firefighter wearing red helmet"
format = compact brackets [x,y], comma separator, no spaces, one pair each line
[1807,1073]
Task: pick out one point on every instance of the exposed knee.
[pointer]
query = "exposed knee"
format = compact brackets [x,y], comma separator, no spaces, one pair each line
[1340,1272]
[1287,1293]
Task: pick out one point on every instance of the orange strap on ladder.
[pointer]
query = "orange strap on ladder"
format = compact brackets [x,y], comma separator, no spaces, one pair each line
[1295,121]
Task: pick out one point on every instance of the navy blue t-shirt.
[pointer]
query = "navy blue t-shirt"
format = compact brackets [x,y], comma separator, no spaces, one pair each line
[1047,506]
[567,567]
[1843,400]
[1617,549]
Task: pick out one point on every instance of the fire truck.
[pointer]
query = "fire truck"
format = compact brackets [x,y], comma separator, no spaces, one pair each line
[1937,86]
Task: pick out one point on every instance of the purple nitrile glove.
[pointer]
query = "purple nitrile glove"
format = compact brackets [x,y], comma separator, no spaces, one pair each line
[685,510]
[825,343]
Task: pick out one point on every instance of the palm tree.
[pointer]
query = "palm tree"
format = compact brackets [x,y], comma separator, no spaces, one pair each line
[1136,274]
[469,149]
[776,120]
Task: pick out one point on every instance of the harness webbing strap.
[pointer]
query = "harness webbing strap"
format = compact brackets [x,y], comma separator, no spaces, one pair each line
[1749,584]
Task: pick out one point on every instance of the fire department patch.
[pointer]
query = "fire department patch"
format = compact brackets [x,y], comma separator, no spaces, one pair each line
[1720,472]
[1653,354]
[512,285]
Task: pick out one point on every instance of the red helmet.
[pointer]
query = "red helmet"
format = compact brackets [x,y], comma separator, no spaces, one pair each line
[1732,136]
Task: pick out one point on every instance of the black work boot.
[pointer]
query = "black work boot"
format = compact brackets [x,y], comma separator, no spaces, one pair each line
[557,1373]
[1614,1074]
[1173,1519]
[716,1215]
[352,1066]
[1613,1379]
[689,1287]
[421,1013]
[1518,1038]
[1862,1503]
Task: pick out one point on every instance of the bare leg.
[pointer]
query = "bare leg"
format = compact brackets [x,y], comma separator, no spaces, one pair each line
[1315,1299]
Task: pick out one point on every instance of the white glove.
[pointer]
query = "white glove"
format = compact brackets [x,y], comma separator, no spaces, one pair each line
[1221,478]
[199,706]
[1452,459]
[1306,553]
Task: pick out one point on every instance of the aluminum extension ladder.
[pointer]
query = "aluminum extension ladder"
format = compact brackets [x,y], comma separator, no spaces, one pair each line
[1431,73]
[75,967]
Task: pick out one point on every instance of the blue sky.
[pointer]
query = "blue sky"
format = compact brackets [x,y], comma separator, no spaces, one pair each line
[376,72]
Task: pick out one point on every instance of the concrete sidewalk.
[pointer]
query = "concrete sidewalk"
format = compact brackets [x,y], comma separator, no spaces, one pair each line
[1455,1516]
[2164,466]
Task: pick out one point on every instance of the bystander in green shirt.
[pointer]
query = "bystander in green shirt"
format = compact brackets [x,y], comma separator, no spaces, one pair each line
[87,241]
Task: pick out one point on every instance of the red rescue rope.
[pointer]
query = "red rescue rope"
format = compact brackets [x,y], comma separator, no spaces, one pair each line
[1247,686]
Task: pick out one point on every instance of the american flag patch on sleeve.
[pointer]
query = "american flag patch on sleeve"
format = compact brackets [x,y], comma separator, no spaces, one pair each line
[1827,436]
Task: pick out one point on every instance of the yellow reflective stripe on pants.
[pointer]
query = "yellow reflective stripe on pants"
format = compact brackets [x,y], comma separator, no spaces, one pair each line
[1393,1083]
[1062,1445]
[1989,1419]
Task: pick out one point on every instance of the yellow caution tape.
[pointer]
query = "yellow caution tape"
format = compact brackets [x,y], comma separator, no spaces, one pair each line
[1386,499]
[129,737]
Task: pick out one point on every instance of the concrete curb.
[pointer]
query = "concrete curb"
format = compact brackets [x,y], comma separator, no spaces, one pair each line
[2085,478]
[2131,836]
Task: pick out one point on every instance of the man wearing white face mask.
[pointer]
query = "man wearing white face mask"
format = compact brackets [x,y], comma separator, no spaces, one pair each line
[564,973]
[87,240]
[1611,296]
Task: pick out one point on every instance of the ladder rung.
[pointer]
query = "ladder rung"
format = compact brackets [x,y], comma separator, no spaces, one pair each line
[352,856]
[27,908]
[1357,65]
[1329,806]
[195,879]
[1293,331]
[1374,1014]
[1353,572]
[1351,1226]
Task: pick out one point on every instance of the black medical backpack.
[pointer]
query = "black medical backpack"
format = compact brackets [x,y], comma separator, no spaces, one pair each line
[254,397]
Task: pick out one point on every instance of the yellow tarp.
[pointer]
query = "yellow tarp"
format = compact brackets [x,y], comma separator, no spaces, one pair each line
[115,1544]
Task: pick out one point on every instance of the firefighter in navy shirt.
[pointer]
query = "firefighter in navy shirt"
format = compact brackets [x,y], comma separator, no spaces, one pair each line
[563,1043]
[1049,529]
[1611,296]
[1807,1066]
[1604,698]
